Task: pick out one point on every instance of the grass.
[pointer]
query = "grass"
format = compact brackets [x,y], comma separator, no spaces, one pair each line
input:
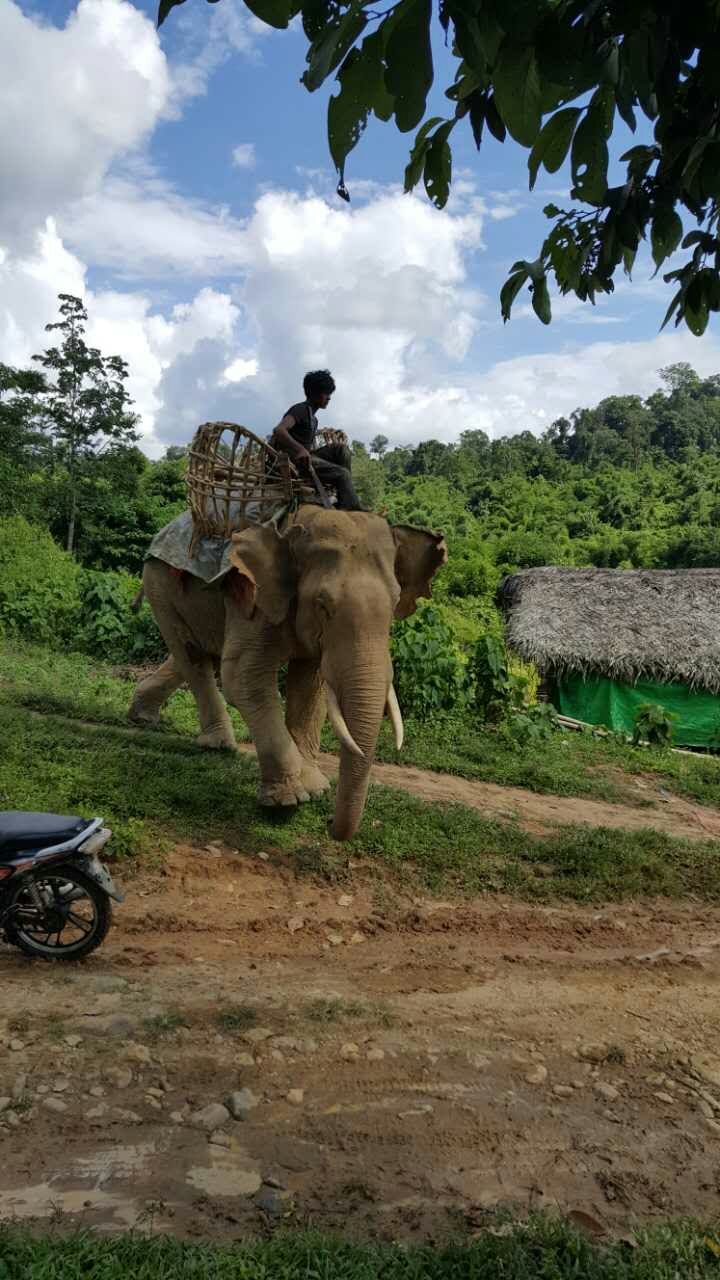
[544,1249]
[575,764]
[163,1025]
[237,1018]
[152,788]
[329,1010]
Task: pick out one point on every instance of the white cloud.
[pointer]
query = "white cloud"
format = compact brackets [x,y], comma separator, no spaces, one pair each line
[243,156]
[141,228]
[241,368]
[71,101]
[207,38]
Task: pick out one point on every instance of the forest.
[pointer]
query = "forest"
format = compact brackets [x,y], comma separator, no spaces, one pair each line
[626,483]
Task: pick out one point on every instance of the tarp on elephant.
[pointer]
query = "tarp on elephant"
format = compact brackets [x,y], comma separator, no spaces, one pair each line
[210,557]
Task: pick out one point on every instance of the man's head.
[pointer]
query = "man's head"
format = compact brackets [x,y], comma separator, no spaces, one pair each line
[318,388]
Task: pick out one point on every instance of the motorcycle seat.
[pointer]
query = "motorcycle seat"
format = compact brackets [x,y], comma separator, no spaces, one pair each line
[20,831]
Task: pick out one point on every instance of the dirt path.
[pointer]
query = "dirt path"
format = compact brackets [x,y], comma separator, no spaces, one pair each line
[412,1065]
[539,812]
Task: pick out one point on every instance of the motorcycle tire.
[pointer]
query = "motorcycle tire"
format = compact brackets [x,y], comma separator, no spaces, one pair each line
[18,936]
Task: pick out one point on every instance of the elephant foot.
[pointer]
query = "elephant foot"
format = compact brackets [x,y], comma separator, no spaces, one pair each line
[216,741]
[313,779]
[144,719]
[283,795]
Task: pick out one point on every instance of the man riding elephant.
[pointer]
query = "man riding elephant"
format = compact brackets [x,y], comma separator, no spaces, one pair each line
[296,432]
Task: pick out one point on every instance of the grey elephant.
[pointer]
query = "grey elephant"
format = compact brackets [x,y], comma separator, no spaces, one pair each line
[320,594]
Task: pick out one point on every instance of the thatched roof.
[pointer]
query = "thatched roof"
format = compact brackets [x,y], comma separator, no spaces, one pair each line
[626,624]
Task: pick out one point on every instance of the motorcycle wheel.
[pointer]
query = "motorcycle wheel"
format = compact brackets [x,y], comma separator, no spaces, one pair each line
[74,919]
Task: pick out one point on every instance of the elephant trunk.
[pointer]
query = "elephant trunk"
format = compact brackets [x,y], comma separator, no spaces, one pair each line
[362,704]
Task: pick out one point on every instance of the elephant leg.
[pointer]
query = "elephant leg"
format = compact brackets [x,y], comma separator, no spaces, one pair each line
[193,665]
[305,716]
[250,669]
[216,731]
[153,692]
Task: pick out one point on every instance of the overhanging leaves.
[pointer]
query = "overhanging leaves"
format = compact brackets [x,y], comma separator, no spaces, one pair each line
[517,91]
[408,56]
[553,142]
[519,61]
[362,91]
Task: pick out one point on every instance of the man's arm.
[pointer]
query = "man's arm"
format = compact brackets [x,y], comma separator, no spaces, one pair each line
[287,442]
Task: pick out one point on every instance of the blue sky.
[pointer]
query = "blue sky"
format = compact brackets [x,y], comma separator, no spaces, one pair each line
[181,181]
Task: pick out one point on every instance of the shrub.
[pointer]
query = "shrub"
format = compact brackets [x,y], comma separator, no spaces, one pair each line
[653,724]
[429,675]
[110,628]
[39,584]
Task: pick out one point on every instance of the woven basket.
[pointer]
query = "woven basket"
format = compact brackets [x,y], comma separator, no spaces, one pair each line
[229,470]
[331,435]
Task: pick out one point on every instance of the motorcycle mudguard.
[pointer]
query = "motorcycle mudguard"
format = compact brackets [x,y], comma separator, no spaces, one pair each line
[98,872]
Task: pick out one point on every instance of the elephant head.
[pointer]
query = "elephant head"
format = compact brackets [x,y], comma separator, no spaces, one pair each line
[338,578]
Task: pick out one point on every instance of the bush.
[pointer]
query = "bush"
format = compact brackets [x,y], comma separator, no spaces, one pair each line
[47,597]
[653,724]
[110,628]
[39,584]
[429,675]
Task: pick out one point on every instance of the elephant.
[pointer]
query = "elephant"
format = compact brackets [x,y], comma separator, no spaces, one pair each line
[319,594]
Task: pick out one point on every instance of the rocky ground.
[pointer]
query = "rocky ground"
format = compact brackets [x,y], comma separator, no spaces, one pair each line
[250,1049]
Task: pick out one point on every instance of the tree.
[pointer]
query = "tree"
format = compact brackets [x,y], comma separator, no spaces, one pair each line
[378,446]
[86,404]
[558,77]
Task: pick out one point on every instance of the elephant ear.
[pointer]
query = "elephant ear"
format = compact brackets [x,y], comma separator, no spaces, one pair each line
[264,574]
[419,553]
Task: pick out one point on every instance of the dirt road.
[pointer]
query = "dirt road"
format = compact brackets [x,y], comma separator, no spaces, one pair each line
[411,1065]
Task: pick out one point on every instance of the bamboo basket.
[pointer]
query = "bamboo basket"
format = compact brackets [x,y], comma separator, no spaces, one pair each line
[331,435]
[230,470]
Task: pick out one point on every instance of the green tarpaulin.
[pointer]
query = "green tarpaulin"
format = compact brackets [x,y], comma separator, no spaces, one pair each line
[597,700]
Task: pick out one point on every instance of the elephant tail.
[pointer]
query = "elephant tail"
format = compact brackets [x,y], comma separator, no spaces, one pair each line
[136,603]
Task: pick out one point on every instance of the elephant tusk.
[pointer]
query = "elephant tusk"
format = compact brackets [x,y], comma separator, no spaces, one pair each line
[337,721]
[396,720]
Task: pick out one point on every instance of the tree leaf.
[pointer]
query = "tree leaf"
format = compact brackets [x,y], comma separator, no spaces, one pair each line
[409,63]
[495,122]
[666,233]
[164,8]
[478,102]
[362,90]
[541,301]
[695,310]
[553,142]
[517,91]
[277,13]
[589,158]
[509,292]
[438,166]
[330,48]
[416,163]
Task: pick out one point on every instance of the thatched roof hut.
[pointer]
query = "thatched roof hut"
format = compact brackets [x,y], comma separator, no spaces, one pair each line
[632,628]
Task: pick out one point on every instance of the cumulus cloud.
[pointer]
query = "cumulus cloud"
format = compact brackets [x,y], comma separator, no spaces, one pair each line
[72,99]
[243,156]
[220,316]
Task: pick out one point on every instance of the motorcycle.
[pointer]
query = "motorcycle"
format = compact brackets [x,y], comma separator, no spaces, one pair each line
[54,890]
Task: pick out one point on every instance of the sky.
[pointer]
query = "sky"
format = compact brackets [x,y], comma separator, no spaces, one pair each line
[180,182]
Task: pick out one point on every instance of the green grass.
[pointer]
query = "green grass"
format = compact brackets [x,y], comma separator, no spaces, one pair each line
[569,763]
[543,1250]
[331,1009]
[152,788]
[236,1018]
[162,1025]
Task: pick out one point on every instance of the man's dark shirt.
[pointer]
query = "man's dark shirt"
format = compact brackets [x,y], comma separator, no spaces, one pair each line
[306,425]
